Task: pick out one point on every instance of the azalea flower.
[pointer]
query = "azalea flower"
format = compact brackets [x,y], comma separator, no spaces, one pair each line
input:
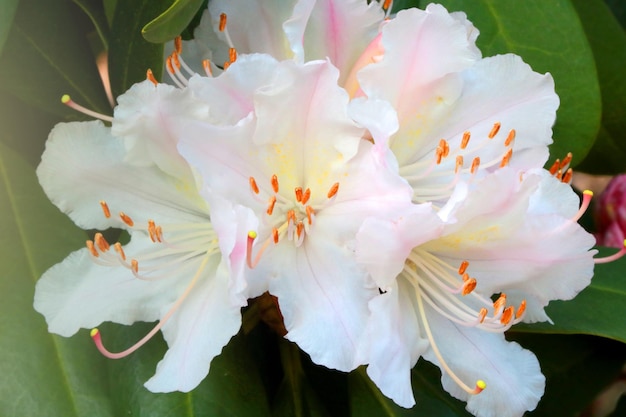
[610,213]
[174,269]
[287,150]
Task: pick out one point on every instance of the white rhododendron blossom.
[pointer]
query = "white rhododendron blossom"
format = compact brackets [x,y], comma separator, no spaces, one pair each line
[371,171]
[173,270]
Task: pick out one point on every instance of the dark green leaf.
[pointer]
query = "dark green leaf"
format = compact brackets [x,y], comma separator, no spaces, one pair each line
[618,8]
[549,36]
[95,10]
[48,55]
[109,10]
[608,42]
[172,22]
[233,387]
[367,400]
[130,55]
[44,375]
[7,11]
[597,310]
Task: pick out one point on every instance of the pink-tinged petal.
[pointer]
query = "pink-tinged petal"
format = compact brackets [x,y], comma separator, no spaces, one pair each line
[254,26]
[83,165]
[205,45]
[512,374]
[381,120]
[145,118]
[410,42]
[196,333]
[78,293]
[335,30]
[383,244]
[391,343]
[230,97]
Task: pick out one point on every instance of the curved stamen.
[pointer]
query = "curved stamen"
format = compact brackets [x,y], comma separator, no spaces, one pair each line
[67,100]
[613,257]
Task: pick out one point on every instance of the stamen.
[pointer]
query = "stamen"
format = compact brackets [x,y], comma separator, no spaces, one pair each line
[126,219]
[494,130]
[510,138]
[587,195]
[178,44]
[333,190]
[439,154]
[252,235]
[92,248]
[159,234]
[134,265]
[120,250]
[232,55]
[465,276]
[275,234]
[97,338]
[567,177]
[521,309]
[306,196]
[506,158]
[555,166]
[469,286]
[463,267]
[66,99]
[475,164]
[459,164]
[222,22]
[222,28]
[152,230]
[299,229]
[613,257]
[465,140]
[499,303]
[275,183]
[105,209]
[206,64]
[386,4]
[150,77]
[254,186]
[507,315]
[226,65]
[445,148]
[309,214]
[270,206]
[482,314]
[291,216]
[101,242]
[298,192]
[566,161]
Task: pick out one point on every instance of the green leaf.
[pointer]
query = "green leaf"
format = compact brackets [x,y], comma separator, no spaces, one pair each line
[431,399]
[48,55]
[7,11]
[95,10]
[43,374]
[598,310]
[232,388]
[608,42]
[130,55]
[549,36]
[172,22]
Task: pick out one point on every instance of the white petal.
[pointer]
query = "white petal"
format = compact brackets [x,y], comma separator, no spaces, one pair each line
[391,343]
[83,164]
[512,374]
[77,293]
[196,333]
[335,30]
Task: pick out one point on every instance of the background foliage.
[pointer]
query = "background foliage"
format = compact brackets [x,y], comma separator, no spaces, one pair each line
[50,48]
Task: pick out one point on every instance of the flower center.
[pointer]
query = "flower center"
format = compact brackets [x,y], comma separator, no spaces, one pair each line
[290,215]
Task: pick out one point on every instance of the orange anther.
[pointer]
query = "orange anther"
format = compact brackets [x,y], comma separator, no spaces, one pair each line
[275,234]
[270,205]
[92,248]
[333,190]
[274,183]
[465,140]
[482,314]
[168,63]
[226,65]
[475,164]
[105,209]
[510,138]
[521,309]
[126,219]
[567,177]
[232,55]
[120,250]
[386,4]
[506,158]
[445,148]
[150,77]
[439,154]
[459,163]
[299,229]
[159,234]
[309,214]
[134,265]
[500,302]
[175,59]
[465,276]
[566,160]
[463,267]
[222,22]
[101,242]
[178,44]
[151,230]
[306,196]
[469,286]
[253,185]
[291,216]
[555,166]
[494,130]
[507,315]
[559,174]
[298,192]
[206,64]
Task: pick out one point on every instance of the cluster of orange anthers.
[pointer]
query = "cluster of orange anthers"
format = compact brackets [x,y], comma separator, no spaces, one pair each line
[561,170]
